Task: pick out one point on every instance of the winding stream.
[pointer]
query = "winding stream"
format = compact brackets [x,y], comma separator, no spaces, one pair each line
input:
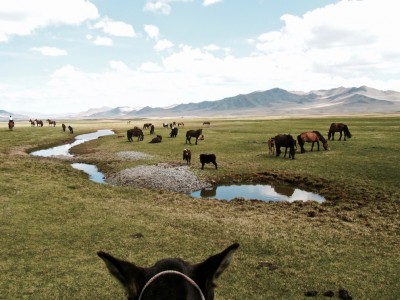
[63,150]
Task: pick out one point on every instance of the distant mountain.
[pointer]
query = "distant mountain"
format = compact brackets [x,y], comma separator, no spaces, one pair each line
[341,100]
[278,102]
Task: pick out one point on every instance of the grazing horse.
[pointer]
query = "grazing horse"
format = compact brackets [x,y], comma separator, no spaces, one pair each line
[338,127]
[181,124]
[63,127]
[32,123]
[311,137]
[135,132]
[157,139]
[171,278]
[287,141]
[71,130]
[51,122]
[208,158]
[187,155]
[193,133]
[206,123]
[11,125]
[152,129]
[165,125]
[271,145]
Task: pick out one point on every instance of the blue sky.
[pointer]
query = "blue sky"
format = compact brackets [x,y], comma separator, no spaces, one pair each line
[61,56]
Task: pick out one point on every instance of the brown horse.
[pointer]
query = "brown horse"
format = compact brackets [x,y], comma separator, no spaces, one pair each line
[338,127]
[311,137]
[135,132]
[287,141]
[10,125]
[271,146]
[171,278]
[193,133]
[32,123]
[51,122]
[39,123]
[187,155]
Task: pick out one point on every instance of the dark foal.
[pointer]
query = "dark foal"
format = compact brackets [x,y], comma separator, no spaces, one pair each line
[187,155]
[171,278]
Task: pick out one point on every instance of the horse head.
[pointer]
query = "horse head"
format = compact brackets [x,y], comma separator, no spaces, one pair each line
[170,278]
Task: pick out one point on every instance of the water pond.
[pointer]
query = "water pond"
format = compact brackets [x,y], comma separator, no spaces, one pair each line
[63,150]
[261,192]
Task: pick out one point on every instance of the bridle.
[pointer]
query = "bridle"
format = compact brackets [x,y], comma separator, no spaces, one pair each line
[190,280]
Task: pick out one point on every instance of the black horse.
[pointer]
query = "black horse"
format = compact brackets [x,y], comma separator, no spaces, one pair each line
[338,127]
[135,132]
[287,141]
[174,132]
[171,278]
[193,133]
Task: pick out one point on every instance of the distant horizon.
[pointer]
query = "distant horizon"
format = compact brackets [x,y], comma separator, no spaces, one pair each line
[384,95]
[70,56]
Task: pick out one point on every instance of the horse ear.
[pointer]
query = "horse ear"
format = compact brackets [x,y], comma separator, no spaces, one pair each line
[129,275]
[213,267]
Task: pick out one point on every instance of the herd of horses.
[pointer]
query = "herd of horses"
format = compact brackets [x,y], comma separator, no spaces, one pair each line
[288,142]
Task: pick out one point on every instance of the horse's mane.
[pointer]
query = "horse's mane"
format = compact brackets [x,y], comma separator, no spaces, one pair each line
[320,136]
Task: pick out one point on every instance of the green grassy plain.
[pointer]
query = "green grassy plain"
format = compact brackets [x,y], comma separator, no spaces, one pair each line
[53,220]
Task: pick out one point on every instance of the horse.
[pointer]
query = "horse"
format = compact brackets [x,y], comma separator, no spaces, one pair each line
[311,137]
[208,158]
[51,122]
[187,155]
[207,123]
[271,145]
[193,133]
[338,127]
[152,129]
[174,132]
[170,278]
[181,124]
[287,141]
[135,132]
[39,123]
[165,125]
[71,130]
[11,125]
[32,123]
[146,125]
[157,139]
[63,127]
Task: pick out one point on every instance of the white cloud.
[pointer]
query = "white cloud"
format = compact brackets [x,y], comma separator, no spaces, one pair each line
[115,28]
[210,2]
[211,47]
[24,17]
[118,66]
[152,31]
[161,6]
[163,44]
[50,51]
[103,41]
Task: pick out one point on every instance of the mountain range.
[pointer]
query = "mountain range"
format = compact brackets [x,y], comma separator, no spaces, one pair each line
[279,102]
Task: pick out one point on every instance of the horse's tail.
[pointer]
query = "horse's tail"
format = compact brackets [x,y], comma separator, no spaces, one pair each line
[300,141]
[346,131]
[129,134]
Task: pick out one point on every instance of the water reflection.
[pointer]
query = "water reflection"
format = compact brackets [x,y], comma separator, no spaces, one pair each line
[259,192]
[63,150]
[91,170]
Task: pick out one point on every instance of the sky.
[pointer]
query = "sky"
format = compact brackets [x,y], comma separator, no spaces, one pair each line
[68,56]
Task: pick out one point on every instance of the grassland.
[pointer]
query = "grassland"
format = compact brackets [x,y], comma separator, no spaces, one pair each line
[53,220]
